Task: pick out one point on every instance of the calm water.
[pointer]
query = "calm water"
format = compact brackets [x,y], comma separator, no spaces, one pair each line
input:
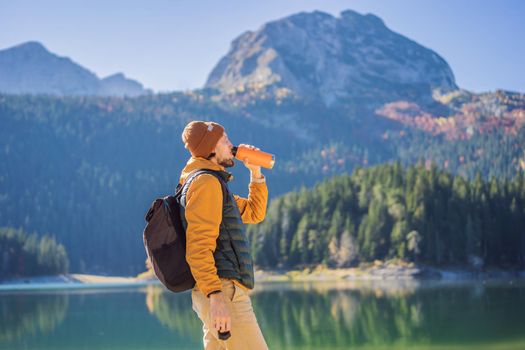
[427,315]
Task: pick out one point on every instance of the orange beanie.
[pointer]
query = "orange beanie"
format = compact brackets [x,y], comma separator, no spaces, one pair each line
[201,137]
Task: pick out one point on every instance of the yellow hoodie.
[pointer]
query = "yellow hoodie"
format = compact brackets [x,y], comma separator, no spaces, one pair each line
[204,215]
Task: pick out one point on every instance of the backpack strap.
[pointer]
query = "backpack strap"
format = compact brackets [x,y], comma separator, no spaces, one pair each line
[182,190]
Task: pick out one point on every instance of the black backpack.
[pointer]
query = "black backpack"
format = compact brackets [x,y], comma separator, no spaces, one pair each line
[165,238]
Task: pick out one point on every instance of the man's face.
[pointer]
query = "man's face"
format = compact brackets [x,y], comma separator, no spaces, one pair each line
[223,152]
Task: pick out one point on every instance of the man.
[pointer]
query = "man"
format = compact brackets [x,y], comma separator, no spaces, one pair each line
[217,249]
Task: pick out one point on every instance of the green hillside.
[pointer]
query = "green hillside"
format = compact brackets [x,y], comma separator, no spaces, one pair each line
[29,255]
[385,212]
[86,169]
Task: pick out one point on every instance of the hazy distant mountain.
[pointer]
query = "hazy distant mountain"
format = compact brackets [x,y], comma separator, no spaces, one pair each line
[316,55]
[31,68]
[118,85]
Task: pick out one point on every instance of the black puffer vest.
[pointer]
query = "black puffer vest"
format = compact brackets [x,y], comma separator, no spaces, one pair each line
[232,255]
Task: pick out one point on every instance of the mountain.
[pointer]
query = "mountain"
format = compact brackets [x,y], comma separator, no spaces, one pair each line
[361,94]
[31,68]
[118,85]
[318,56]
[85,169]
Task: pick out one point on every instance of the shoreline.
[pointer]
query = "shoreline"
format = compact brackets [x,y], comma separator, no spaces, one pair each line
[386,271]
[377,271]
[70,281]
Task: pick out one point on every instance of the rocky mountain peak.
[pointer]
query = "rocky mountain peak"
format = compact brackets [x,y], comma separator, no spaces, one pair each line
[317,55]
[352,18]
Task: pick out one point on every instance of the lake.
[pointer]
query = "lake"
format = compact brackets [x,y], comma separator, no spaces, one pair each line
[296,316]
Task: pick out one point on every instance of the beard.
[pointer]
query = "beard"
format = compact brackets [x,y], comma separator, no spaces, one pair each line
[227,163]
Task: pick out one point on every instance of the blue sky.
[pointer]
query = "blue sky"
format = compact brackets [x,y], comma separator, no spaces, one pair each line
[174,44]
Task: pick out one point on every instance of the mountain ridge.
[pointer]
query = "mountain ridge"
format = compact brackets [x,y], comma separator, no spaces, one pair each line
[31,68]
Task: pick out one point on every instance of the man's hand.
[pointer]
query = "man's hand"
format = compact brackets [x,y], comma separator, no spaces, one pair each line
[219,313]
[254,169]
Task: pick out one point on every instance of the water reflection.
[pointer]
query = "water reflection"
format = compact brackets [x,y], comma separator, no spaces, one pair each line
[338,315]
[298,316]
[24,315]
[390,314]
[173,311]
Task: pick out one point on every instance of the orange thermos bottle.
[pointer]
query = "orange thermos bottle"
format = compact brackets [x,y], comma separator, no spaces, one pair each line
[266,160]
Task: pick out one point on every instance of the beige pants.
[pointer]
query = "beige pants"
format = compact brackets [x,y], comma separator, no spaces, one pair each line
[245,331]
